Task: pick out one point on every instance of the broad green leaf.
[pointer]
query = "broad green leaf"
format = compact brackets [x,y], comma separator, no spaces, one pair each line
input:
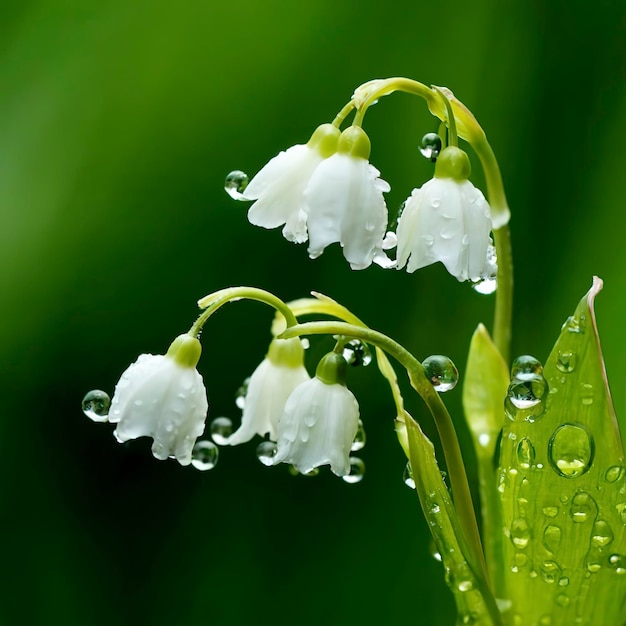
[475,603]
[562,485]
[484,388]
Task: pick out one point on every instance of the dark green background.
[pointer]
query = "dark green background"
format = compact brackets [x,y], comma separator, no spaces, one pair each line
[118,122]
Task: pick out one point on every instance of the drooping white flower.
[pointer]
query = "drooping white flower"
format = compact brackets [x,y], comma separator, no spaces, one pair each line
[447,220]
[278,188]
[320,421]
[270,385]
[163,397]
[344,202]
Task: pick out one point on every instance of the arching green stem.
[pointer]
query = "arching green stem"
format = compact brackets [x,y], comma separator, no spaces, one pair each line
[341,116]
[453,139]
[443,421]
[216,300]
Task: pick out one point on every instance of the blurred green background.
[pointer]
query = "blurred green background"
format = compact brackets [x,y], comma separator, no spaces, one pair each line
[118,122]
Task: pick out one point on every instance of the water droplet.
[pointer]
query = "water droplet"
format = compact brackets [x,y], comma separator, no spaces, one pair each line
[204,455]
[441,372]
[436,203]
[520,533]
[265,452]
[359,439]
[465,585]
[96,405]
[550,571]
[235,184]
[528,392]
[520,559]
[485,286]
[434,551]
[562,599]
[583,508]
[357,353]
[525,453]
[552,538]
[575,324]
[566,361]
[602,535]
[571,450]
[428,240]
[613,474]
[550,511]
[240,396]
[430,146]
[545,620]
[407,476]
[357,471]
[563,581]
[618,563]
[221,429]
[586,394]
[526,367]
[294,471]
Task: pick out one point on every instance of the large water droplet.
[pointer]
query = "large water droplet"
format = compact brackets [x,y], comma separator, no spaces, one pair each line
[359,439]
[528,392]
[525,453]
[566,361]
[407,476]
[571,450]
[520,533]
[96,405]
[602,535]
[485,286]
[235,184]
[265,452]
[550,571]
[204,455]
[357,353]
[240,396]
[550,511]
[583,508]
[357,471]
[526,367]
[221,429]
[552,538]
[613,474]
[441,372]
[430,146]
[575,324]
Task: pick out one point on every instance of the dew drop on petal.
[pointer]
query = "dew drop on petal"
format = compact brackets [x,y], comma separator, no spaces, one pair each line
[357,471]
[430,146]
[407,476]
[96,404]
[240,396]
[221,429]
[441,372]
[235,184]
[357,353]
[265,452]
[204,455]
[359,438]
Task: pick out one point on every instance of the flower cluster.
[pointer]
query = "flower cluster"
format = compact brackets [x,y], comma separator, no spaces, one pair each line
[326,191]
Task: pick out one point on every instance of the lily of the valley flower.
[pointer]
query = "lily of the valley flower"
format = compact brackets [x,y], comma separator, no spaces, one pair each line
[320,421]
[447,220]
[270,385]
[163,397]
[278,188]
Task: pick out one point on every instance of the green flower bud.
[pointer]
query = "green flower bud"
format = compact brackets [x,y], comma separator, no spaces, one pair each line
[325,139]
[332,369]
[453,163]
[355,142]
[185,350]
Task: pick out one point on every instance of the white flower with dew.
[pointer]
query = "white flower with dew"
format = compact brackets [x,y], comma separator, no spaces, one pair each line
[344,203]
[320,421]
[163,397]
[278,188]
[270,385]
[447,220]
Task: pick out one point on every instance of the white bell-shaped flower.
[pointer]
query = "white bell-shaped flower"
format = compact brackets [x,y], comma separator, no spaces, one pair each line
[344,202]
[320,421]
[278,188]
[163,397]
[270,385]
[447,220]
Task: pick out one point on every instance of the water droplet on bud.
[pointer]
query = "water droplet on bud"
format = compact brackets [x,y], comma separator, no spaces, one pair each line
[96,405]
[235,184]
[441,372]
[430,146]
[204,455]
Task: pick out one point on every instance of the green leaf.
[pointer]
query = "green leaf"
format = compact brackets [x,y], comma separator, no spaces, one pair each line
[562,485]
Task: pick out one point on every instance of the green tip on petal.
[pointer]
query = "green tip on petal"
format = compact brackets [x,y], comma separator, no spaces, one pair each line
[325,139]
[355,142]
[286,352]
[332,369]
[453,163]
[185,350]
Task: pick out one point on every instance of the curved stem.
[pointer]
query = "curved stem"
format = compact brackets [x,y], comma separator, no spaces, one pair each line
[341,116]
[443,421]
[453,138]
[218,299]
